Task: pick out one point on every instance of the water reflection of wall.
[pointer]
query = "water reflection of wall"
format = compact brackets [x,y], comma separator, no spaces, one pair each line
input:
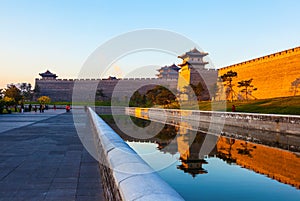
[278,164]
[275,163]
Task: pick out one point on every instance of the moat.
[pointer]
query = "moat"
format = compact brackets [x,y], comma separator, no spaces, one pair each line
[234,169]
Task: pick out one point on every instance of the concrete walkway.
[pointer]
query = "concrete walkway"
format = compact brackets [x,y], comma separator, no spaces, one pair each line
[42,158]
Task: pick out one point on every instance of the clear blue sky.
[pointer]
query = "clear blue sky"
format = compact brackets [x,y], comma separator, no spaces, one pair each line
[60,34]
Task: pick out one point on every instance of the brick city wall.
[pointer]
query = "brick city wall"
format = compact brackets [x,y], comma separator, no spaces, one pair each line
[62,89]
[272,74]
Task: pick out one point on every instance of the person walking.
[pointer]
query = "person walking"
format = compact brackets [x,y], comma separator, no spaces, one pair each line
[22,108]
[233,108]
[68,108]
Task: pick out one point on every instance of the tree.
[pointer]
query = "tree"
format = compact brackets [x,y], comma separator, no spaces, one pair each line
[1,102]
[248,88]
[6,102]
[295,85]
[44,100]
[137,100]
[159,95]
[36,90]
[100,94]
[194,90]
[1,106]
[26,91]
[227,78]
[214,91]
[13,92]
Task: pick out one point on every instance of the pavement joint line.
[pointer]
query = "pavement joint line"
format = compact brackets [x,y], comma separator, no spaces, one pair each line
[39,121]
[12,170]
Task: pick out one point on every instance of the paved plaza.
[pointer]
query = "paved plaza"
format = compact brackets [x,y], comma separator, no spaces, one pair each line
[42,158]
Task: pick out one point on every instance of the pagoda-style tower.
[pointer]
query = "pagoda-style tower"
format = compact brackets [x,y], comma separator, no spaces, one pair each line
[194,58]
[48,75]
[168,72]
[193,71]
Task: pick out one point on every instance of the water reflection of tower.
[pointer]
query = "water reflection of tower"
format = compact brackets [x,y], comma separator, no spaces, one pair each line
[189,145]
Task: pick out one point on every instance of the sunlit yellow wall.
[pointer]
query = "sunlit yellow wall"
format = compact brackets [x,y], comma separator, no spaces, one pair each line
[278,164]
[184,77]
[272,74]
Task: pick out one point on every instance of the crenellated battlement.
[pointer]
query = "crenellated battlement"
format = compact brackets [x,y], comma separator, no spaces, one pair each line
[94,79]
[267,58]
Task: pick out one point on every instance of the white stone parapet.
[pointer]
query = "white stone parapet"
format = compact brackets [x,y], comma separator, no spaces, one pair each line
[132,177]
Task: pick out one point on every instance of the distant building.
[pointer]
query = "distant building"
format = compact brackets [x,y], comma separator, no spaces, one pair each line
[168,72]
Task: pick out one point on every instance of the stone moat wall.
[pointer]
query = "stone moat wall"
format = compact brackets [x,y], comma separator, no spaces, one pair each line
[281,129]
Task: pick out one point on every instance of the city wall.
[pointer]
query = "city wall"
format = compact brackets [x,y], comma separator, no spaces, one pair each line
[61,89]
[272,74]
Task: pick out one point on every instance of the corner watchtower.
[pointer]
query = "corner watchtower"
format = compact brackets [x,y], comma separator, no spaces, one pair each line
[48,75]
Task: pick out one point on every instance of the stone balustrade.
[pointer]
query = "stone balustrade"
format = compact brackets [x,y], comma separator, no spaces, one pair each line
[288,124]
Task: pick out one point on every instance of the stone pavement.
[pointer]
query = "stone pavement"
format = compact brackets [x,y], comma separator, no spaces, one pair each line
[42,158]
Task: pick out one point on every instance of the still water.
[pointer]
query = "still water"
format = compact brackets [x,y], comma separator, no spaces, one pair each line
[233,169]
[218,180]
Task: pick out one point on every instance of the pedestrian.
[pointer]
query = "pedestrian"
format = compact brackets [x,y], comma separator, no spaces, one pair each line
[233,108]
[40,108]
[29,107]
[54,107]
[68,108]
[22,108]
[35,108]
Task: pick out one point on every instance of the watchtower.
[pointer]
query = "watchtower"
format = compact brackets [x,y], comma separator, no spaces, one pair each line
[48,75]
[193,71]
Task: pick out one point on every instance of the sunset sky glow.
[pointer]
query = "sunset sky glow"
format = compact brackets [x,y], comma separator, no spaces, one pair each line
[59,35]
